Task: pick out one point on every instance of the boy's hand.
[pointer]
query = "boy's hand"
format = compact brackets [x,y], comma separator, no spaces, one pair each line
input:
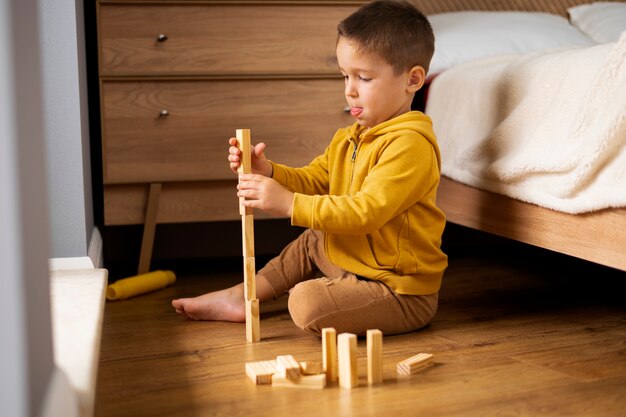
[260,164]
[265,193]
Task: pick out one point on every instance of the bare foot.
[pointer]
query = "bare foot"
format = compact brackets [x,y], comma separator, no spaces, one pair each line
[223,305]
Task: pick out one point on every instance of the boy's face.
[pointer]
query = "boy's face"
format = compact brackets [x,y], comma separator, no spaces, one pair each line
[374,92]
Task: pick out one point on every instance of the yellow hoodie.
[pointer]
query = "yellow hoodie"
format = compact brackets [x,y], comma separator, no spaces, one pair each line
[373,194]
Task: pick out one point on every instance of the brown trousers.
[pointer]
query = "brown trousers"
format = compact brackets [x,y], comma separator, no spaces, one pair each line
[323,295]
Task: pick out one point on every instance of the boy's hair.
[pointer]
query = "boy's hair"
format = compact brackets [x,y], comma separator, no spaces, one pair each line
[395,30]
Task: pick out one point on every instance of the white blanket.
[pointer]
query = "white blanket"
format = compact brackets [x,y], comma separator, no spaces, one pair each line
[547,128]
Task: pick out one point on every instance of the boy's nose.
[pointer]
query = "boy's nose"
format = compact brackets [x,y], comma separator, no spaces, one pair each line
[350,91]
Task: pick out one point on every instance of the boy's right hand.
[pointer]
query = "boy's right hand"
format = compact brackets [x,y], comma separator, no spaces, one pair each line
[260,164]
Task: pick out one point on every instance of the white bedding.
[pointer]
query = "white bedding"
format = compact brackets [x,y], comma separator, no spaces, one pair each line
[547,128]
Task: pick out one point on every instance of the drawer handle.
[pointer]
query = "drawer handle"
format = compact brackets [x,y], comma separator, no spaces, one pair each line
[161,37]
[346,109]
[163,114]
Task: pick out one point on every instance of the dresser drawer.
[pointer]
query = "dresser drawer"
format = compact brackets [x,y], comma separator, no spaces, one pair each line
[178,203]
[295,117]
[219,38]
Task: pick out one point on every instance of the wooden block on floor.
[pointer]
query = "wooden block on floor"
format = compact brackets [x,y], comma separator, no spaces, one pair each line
[253,325]
[311,368]
[414,364]
[346,353]
[288,366]
[329,353]
[261,372]
[305,381]
[374,356]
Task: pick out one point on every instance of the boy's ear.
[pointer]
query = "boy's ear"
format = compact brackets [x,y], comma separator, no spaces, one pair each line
[417,76]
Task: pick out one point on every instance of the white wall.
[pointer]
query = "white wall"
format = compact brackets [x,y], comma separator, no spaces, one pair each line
[66,126]
[26,360]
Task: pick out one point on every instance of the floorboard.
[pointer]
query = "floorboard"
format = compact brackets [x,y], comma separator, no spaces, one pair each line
[520,331]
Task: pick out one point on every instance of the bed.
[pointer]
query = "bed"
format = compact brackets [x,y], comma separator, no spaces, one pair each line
[506,200]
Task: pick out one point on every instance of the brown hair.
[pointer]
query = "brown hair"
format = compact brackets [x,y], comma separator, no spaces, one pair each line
[395,30]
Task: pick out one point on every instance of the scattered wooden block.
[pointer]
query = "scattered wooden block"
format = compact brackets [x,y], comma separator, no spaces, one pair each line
[288,366]
[261,372]
[311,368]
[414,364]
[329,353]
[305,381]
[374,356]
[346,349]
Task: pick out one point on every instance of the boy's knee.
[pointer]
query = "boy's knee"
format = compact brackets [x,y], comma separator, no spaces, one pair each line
[307,305]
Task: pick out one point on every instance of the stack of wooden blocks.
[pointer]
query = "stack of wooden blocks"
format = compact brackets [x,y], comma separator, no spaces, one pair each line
[253,327]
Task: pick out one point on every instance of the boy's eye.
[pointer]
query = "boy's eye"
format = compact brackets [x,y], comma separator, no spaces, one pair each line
[365,79]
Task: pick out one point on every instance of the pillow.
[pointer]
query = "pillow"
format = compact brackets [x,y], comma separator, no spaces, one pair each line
[602,21]
[469,35]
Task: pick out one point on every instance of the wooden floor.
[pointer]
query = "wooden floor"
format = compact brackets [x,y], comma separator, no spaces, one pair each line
[511,338]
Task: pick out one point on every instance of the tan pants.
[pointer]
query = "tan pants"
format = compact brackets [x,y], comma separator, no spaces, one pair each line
[323,295]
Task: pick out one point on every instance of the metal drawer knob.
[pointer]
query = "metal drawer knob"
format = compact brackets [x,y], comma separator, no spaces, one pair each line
[161,37]
[163,114]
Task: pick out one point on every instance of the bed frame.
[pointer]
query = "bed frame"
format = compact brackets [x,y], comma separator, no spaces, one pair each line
[598,237]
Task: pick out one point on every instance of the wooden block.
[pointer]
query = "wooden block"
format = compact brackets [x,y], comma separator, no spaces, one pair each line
[253,326]
[245,165]
[249,281]
[414,364]
[261,372]
[374,356]
[289,366]
[247,235]
[311,368]
[346,349]
[329,353]
[305,381]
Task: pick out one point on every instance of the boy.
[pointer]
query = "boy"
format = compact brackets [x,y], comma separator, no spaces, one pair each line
[371,255]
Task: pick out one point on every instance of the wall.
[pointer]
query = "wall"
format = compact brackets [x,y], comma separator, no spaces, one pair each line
[26,361]
[66,127]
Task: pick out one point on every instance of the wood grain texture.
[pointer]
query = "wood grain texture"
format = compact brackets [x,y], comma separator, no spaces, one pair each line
[329,353]
[519,332]
[149,228]
[374,356]
[179,202]
[296,118]
[598,237]
[347,360]
[210,38]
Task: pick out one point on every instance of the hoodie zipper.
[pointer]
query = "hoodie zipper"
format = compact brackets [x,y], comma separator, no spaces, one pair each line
[352,159]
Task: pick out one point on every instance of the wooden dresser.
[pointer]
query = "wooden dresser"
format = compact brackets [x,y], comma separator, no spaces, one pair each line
[177,78]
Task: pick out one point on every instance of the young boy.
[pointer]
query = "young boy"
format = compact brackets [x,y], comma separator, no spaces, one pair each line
[370,256]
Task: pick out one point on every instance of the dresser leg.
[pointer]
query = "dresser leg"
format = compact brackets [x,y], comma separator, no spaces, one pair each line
[149,227]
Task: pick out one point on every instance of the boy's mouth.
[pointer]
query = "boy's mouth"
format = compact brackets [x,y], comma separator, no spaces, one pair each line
[356,111]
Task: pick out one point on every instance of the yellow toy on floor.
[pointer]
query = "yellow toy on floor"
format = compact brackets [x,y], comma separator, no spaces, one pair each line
[140,284]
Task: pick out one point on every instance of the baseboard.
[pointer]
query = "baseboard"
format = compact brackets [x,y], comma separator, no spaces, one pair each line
[95,251]
[93,260]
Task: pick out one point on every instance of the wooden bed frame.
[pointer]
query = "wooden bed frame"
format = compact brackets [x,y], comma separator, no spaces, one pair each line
[598,237]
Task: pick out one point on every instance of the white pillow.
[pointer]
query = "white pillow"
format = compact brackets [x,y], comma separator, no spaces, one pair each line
[603,21]
[469,35]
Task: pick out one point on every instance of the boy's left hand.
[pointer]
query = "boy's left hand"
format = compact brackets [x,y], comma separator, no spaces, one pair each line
[265,193]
